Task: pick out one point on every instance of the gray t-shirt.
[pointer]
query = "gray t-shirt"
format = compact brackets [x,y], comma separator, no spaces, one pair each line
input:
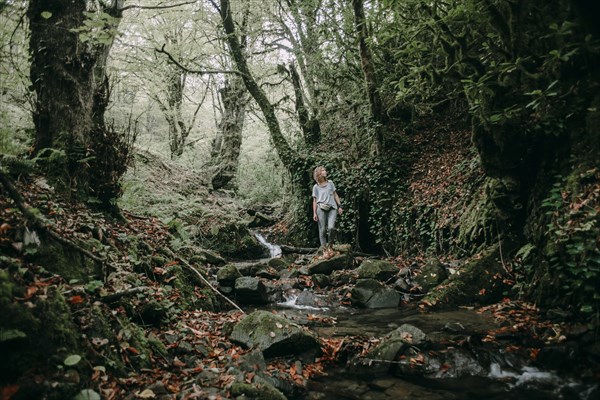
[324,194]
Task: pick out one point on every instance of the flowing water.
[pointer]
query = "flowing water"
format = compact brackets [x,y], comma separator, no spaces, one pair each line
[518,383]
[500,378]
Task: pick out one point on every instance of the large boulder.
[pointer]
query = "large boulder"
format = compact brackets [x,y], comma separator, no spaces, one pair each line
[370,293]
[480,281]
[234,240]
[431,274]
[386,298]
[363,291]
[274,335]
[227,275]
[249,290]
[377,269]
[327,266]
[381,358]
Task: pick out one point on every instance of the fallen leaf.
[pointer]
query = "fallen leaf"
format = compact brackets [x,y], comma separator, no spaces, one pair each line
[8,391]
[76,299]
[146,394]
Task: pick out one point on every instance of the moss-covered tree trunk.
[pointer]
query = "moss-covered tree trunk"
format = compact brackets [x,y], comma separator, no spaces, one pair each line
[295,164]
[227,144]
[368,69]
[69,80]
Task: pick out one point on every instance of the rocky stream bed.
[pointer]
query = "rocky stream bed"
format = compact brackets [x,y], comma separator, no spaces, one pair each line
[381,343]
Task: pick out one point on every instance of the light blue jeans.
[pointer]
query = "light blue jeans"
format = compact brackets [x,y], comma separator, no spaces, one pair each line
[326,221]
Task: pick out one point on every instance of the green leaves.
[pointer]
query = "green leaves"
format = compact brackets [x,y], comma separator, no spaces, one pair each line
[87,394]
[72,360]
[46,14]
[98,28]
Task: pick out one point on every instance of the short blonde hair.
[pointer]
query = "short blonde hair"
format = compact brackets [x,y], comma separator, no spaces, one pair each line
[318,174]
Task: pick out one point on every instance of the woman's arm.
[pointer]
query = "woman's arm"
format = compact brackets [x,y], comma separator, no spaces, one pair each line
[315,217]
[338,202]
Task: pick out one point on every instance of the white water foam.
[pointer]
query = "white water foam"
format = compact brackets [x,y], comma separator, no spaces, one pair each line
[290,302]
[528,375]
[274,250]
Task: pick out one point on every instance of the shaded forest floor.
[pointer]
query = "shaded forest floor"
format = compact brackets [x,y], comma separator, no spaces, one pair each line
[170,338]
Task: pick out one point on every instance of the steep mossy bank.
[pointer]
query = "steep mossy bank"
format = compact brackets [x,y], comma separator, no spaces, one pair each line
[75,312]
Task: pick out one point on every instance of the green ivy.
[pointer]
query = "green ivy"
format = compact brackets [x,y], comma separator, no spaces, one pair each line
[571,253]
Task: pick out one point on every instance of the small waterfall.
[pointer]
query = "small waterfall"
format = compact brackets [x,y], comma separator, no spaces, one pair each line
[290,302]
[274,250]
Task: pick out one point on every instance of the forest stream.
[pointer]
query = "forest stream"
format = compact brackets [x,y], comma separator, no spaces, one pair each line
[452,361]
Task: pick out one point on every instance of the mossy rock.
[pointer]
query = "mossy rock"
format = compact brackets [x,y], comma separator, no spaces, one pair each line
[376,269]
[186,282]
[227,275]
[273,335]
[364,290]
[63,261]
[278,263]
[431,274]
[34,336]
[261,391]
[234,240]
[479,281]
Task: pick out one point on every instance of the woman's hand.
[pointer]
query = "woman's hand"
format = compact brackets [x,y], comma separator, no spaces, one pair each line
[340,210]
[315,218]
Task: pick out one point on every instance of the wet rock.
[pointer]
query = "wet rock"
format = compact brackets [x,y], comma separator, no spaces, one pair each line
[401,284]
[364,290]
[464,287]
[376,269]
[250,269]
[431,274]
[453,363]
[278,263]
[339,278]
[274,335]
[327,266]
[387,298]
[268,273]
[308,298]
[383,358]
[234,240]
[260,220]
[227,275]
[249,290]
[321,280]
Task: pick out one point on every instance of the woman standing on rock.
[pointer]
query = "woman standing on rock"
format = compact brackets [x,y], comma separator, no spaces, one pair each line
[326,206]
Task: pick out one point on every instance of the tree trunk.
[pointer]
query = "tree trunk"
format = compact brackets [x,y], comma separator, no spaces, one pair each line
[368,68]
[178,131]
[310,126]
[68,77]
[226,147]
[289,157]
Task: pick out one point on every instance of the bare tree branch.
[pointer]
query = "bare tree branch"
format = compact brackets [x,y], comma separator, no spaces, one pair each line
[196,71]
[135,6]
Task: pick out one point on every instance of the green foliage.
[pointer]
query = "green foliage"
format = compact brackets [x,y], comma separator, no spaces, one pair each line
[98,28]
[571,255]
[260,183]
